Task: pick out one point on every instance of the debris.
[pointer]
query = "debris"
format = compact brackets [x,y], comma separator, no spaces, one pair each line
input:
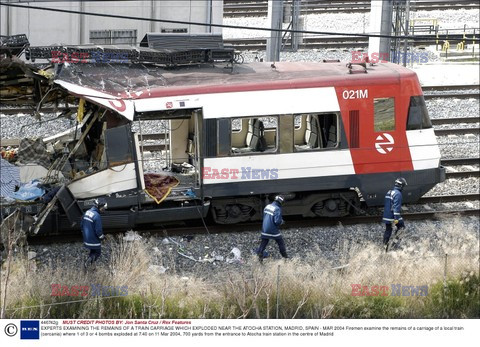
[132,236]
[175,242]
[341,267]
[157,269]
[206,259]
[165,242]
[187,256]
[156,250]
[190,193]
[29,191]
[31,255]
[237,256]
[10,177]
[188,238]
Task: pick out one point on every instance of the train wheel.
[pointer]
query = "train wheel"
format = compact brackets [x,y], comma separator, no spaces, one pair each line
[339,206]
[232,213]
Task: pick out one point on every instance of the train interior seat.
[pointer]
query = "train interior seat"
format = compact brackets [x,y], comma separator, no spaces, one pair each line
[254,140]
[312,134]
[332,136]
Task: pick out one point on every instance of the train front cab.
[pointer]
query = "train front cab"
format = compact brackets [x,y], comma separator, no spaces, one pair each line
[390,135]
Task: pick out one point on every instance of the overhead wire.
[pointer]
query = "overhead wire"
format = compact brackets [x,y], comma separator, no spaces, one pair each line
[416,37]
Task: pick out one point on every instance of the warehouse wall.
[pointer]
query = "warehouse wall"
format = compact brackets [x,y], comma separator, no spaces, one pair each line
[46,28]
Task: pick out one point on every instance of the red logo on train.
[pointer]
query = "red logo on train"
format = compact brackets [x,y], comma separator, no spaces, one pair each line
[384,143]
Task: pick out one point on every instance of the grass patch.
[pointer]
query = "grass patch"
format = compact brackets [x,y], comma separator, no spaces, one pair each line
[306,288]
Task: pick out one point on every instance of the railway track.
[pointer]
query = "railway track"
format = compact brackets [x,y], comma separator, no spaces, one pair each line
[239,8]
[464,95]
[461,91]
[293,222]
[313,42]
[457,131]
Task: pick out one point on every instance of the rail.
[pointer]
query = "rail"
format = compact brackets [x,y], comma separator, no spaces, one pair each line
[241,8]
[293,222]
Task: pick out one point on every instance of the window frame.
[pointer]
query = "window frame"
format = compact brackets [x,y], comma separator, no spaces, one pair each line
[259,117]
[337,115]
[383,129]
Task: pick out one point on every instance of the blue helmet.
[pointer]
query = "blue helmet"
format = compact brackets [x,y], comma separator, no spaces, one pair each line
[99,203]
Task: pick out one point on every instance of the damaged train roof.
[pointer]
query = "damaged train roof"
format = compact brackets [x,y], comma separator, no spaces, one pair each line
[117,86]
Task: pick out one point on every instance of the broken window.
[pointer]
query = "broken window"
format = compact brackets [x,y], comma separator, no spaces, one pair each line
[315,131]
[256,134]
[119,145]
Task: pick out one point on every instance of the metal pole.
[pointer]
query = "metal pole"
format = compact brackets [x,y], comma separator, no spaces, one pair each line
[274,42]
[209,15]
[278,294]
[295,24]
[152,15]
[8,14]
[445,285]
[81,24]
[407,23]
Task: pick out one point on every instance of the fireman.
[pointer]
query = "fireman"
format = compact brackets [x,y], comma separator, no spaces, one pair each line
[272,219]
[392,209]
[92,230]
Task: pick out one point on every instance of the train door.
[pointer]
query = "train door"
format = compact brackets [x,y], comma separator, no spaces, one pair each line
[169,147]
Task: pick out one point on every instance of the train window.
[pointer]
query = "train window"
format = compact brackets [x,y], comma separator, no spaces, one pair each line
[119,145]
[237,125]
[257,134]
[384,110]
[417,114]
[315,131]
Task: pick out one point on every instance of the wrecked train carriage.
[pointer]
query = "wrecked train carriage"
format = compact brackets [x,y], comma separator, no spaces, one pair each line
[227,139]
[103,157]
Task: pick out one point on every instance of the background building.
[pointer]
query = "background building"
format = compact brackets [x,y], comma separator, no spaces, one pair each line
[47,27]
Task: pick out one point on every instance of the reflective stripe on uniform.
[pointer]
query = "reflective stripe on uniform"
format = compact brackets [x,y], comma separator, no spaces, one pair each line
[271,235]
[91,244]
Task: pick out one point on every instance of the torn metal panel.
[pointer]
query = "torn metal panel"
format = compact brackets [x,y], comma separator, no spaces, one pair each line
[123,107]
[70,205]
[13,44]
[25,84]
[112,180]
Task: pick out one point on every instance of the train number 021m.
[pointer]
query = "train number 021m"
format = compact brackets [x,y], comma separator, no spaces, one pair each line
[355,94]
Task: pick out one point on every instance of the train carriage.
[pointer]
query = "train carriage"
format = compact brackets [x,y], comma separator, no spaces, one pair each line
[331,137]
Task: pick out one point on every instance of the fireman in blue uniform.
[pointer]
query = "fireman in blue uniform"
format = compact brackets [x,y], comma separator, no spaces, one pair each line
[392,209]
[272,219]
[92,230]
